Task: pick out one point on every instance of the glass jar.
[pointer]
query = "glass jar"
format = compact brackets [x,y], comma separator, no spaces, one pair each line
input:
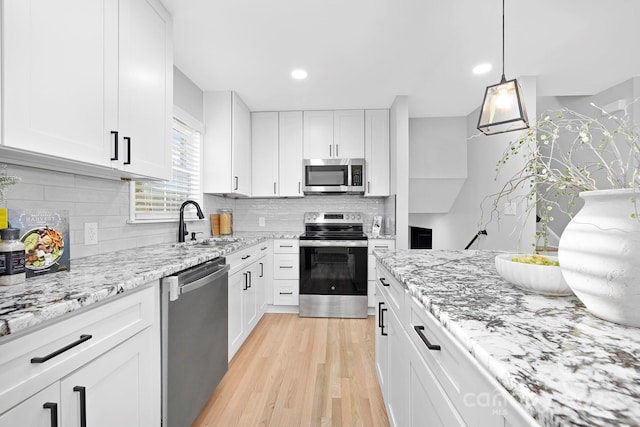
[12,259]
[226,221]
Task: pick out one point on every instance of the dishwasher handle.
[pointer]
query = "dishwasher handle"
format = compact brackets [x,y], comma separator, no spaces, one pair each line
[175,290]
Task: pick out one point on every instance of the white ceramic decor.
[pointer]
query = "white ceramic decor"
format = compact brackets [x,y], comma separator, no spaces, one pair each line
[599,255]
[541,279]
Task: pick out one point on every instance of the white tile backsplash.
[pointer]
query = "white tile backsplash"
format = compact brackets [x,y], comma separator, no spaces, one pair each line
[107,202]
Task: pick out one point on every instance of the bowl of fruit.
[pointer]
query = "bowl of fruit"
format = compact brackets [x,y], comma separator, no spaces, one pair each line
[534,273]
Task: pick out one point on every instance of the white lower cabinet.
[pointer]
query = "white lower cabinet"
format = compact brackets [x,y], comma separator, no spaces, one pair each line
[99,368]
[40,410]
[286,272]
[427,378]
[247,294]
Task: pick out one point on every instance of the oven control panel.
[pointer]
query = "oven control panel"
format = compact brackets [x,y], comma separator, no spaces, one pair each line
[333,218]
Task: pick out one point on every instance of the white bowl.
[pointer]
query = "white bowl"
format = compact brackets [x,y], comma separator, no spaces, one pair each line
[541,279]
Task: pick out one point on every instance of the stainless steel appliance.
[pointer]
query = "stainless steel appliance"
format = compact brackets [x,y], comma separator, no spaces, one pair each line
[194,317]
[333,176]
[333,265]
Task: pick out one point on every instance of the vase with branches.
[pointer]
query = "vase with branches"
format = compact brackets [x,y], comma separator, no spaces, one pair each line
[565,153]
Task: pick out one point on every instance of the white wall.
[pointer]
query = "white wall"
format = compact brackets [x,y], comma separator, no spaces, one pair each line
[399,168]
[455,229]
[187,95]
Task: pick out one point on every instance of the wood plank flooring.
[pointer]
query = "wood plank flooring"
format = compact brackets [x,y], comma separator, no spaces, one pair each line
[295,371]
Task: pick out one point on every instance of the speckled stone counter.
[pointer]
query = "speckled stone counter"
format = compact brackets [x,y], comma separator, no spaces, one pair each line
[565,366]
[94,279]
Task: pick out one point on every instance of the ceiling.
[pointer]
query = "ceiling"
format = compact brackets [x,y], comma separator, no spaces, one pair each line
[362,53]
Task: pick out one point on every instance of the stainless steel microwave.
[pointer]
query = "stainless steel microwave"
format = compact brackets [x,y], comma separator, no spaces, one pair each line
[333,176]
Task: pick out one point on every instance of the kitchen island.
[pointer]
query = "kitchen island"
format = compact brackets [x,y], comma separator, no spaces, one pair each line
[560,363]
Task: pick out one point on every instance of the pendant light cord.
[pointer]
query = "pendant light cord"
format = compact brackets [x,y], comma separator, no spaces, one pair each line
[503,78]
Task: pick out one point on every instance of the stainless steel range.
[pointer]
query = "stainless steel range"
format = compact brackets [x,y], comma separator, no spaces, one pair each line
[333,265]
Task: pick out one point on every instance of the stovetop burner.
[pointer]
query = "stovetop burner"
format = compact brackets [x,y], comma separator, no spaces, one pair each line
[333,226]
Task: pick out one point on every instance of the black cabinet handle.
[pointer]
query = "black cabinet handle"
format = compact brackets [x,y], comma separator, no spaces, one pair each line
[264,248]
[54,412]
[368,186]
[383,282]
[382,332]
[286,266]
[329,150]
[245,282]
[298,187]
[337,155]
[424,339]
[235,179]
[274,188]
[43,359]
[286,246]
[380,304]
[245,257]
[249,273]
[83,404]
[286,293]
[115,151]
[261,269]
[128,141]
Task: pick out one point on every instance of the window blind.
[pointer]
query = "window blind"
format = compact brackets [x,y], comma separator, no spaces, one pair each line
[162,200]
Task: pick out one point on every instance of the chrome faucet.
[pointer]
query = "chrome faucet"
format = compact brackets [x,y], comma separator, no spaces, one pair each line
[182,227]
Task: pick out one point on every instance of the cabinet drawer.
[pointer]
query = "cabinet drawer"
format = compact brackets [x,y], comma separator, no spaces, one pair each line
[286,266]
[285,292]
[239,260]
[392,289]
[107,324]
[466,384]
[381,244]
[286,246]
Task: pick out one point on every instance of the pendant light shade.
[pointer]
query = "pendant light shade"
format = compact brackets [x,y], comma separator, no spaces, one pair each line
[503,108]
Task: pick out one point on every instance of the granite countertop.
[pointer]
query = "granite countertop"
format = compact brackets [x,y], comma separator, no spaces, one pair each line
[564,365]
[96,278]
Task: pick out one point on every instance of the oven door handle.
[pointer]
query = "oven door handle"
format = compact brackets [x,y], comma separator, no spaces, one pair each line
[334,243]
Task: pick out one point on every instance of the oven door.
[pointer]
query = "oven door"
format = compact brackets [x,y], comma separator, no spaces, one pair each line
[333,278]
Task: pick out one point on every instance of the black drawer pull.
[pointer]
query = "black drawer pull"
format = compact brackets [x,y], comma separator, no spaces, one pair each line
[128,140]
[264,248]
[286,266]
[380,304]
[382,332]
[286,246]
[383,282]
[286,293]
[54,412]
[246,256]
[83,404]
[424,339]
[246,281]
[115,151]
[82,339]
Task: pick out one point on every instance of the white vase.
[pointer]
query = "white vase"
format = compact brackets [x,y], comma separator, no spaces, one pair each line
[599,254]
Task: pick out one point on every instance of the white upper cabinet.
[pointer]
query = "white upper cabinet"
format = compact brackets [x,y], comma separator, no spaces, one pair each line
[146,88]
[276,151]
[89,82]
[227,144]
[264,152]
[348,134]
[318,134]
[291,143]
[334,134]
[376,153]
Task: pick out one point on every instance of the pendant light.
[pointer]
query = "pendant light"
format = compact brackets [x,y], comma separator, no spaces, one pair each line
[503,108]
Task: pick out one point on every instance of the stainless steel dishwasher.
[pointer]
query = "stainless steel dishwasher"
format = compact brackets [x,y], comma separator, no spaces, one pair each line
[194,316]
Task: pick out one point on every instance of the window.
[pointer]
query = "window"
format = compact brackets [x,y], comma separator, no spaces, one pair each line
[157,201]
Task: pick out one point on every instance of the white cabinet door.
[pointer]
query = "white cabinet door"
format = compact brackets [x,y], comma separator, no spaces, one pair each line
[398,380]
[116,389]
[376,152]
[348,134]
[60,77]
[40,410]
[226,161]
[382,347]
[290,156]
[146,97]
[428,402]
[241,146]
[318,135]
[264,152]
[249,299]
[237,285]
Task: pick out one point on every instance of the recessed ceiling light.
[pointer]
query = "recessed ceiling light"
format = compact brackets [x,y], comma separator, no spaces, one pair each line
[299,74]
[481,68]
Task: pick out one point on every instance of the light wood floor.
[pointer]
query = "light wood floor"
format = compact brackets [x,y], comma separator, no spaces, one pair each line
[296,371]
